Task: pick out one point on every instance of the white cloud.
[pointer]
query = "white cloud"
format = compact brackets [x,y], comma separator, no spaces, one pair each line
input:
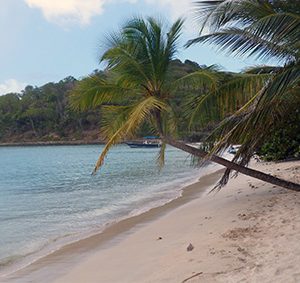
[11,85]
[66,12]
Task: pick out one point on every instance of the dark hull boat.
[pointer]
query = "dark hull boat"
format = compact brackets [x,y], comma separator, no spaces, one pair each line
[143,144]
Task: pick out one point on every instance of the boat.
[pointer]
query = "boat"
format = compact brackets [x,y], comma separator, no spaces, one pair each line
[143,144]
[148,142]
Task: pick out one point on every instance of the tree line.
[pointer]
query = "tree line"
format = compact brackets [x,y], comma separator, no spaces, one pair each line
[44,113]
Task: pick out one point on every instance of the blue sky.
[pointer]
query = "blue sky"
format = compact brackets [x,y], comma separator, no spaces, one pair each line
[48,40]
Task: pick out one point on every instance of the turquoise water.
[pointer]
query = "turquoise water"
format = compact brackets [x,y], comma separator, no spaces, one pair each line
[49,198]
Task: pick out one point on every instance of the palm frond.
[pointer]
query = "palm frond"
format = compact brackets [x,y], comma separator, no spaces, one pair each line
[215,14]
[205,80]
[252,126]
[130,120]
[161,156]
[264,29]
[173,39]
[238,90]
[201,109]
[232,93]
[278,28]
[240,42]
[262,69]
[94,91]
[143,52]
[122,59]
[112,119]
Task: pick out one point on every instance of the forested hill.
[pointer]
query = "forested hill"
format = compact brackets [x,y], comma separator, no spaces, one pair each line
[43,113]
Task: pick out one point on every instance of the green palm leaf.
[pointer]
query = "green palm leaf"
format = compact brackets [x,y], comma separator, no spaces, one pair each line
[94,91]
[266,94]
[131,118]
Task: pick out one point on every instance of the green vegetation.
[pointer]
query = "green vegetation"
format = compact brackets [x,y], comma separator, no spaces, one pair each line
[44,113]
[285,142]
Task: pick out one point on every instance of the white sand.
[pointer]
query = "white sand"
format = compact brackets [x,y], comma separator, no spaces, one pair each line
[248,232]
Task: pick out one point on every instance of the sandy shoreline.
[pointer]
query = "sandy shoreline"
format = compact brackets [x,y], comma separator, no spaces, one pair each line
[248,232]
[74,252]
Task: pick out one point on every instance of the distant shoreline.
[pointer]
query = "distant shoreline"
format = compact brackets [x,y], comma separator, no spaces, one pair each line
[51,143]
[54,143]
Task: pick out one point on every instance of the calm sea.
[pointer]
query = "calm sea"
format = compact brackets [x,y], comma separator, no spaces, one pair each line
[48,197]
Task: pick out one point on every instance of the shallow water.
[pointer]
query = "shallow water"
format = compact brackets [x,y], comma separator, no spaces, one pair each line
[49,198]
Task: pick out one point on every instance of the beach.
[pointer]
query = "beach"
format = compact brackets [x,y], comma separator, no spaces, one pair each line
[247,232]
[130,161]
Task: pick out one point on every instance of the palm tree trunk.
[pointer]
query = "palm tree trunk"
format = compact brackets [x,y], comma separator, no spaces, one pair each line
[234,166]
[32,126]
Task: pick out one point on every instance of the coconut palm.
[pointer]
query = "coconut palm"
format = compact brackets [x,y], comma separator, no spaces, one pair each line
[262,29]
[138,87]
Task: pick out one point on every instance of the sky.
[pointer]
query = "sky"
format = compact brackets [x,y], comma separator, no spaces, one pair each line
[47,40]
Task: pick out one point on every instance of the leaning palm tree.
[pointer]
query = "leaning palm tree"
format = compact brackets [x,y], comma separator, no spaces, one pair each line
[263,29]
[138,87]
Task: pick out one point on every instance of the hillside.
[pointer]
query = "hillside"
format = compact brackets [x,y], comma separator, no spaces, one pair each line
[44,114]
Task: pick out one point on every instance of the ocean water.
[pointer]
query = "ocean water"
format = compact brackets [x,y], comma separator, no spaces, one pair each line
[48,197]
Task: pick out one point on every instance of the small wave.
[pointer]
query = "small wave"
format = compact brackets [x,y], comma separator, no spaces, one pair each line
[9,260]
